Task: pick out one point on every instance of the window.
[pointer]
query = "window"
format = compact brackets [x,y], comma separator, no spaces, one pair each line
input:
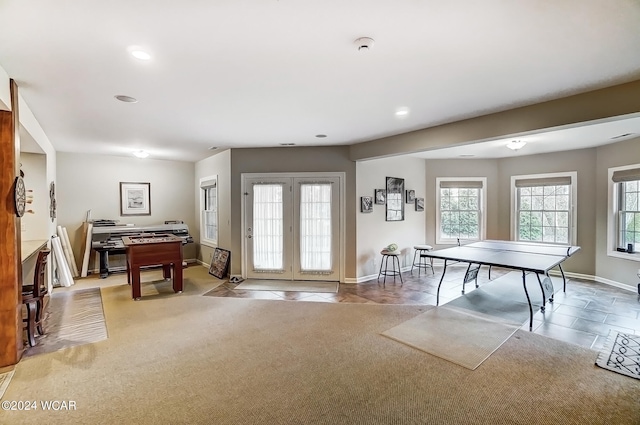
[460,205]
[625,197]
[544,208]
[209,209]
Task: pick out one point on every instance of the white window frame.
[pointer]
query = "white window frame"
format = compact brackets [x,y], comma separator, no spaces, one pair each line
[482,205]
[202,186]
[612,217]
[573,213]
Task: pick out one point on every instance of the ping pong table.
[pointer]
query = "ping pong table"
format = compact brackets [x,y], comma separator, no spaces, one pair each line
[527,257]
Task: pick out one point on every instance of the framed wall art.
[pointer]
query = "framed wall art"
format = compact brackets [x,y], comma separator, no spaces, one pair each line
[135,198]
[380,196]
[395,195]
[366,204]
[411,196]
[419,204]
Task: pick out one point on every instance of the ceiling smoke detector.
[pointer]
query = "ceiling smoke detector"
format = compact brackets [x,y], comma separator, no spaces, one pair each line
[364,44]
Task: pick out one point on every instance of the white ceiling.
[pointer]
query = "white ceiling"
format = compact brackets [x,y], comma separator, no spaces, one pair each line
[254,73]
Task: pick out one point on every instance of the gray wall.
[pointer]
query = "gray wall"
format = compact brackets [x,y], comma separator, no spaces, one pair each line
[218,165]
[374,232]
[619,154]
[292,160]
[582,161]
[591,166]
[92,182]
[462,168]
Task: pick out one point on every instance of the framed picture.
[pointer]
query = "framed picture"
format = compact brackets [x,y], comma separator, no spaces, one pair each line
[395,201]
[419,204]
[411,196]
[135,198]
[220,263]
[380,196]
[366,204]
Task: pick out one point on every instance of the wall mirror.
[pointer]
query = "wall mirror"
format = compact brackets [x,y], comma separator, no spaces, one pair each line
[395,195]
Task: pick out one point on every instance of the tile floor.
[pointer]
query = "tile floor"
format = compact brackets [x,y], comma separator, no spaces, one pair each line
[583,315]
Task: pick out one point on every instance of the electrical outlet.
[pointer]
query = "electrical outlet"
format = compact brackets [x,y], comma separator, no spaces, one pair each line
[23,227]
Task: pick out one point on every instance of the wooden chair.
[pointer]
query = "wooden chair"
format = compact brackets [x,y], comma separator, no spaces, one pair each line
[33,298]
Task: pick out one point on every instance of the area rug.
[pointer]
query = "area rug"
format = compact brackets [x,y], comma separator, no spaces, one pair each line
[288,285]
[75,318]
[5,379]
[457,335]
[621,354]
[504,297]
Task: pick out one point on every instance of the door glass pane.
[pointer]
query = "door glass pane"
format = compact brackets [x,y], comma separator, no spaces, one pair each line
[267,227]
[315,227]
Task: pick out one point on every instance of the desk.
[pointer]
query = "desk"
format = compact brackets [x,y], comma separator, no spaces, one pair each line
[151,250]
[526,257]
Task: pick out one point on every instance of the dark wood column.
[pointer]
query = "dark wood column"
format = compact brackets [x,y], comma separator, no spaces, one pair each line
[10,261]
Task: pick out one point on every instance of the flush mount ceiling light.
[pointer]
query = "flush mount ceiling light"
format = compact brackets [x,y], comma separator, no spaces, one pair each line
[126,99]
[364,44]
[141,154]
[321,136]
[516,144]
[287,144]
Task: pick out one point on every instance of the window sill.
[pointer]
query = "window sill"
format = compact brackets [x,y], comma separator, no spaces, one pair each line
[635,256]
[210,244]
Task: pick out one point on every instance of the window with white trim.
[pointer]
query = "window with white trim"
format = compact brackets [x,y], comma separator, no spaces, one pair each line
[626,207]
[544,206]
[461,203]
[209,211]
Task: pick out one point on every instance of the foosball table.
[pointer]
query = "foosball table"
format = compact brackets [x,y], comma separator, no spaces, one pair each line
[152,250]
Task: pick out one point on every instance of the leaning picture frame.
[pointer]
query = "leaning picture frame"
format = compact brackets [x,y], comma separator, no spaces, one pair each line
[135,198]
[220,263]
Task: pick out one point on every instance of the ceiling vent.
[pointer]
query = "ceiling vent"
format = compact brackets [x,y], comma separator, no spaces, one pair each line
[621,136]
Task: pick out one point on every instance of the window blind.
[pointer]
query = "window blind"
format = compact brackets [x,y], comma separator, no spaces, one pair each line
[544,181]
[626,175]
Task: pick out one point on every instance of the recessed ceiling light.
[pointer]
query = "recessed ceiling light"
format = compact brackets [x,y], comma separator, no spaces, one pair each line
[287,144]
[212,148]
[141,154]
[321,136]
[140,54]
[516,144]
[126,99]
[466,155]
[402,112]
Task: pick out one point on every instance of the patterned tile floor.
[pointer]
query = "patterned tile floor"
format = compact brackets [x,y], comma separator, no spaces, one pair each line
[583,315]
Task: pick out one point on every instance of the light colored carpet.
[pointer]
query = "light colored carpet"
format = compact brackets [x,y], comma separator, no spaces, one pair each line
[75,318]
[287,285]
[621,354]
[189,359]
[459,336]
[5,379]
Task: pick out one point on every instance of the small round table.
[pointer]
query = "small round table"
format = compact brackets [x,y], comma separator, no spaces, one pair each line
[395,266]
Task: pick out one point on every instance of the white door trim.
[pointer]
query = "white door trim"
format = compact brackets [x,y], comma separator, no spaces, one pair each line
[341,176]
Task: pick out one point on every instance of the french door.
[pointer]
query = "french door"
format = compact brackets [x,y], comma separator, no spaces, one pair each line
[292,228]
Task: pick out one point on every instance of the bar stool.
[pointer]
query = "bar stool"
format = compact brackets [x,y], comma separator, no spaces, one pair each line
[33,299]
[384,266]
[419,252]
